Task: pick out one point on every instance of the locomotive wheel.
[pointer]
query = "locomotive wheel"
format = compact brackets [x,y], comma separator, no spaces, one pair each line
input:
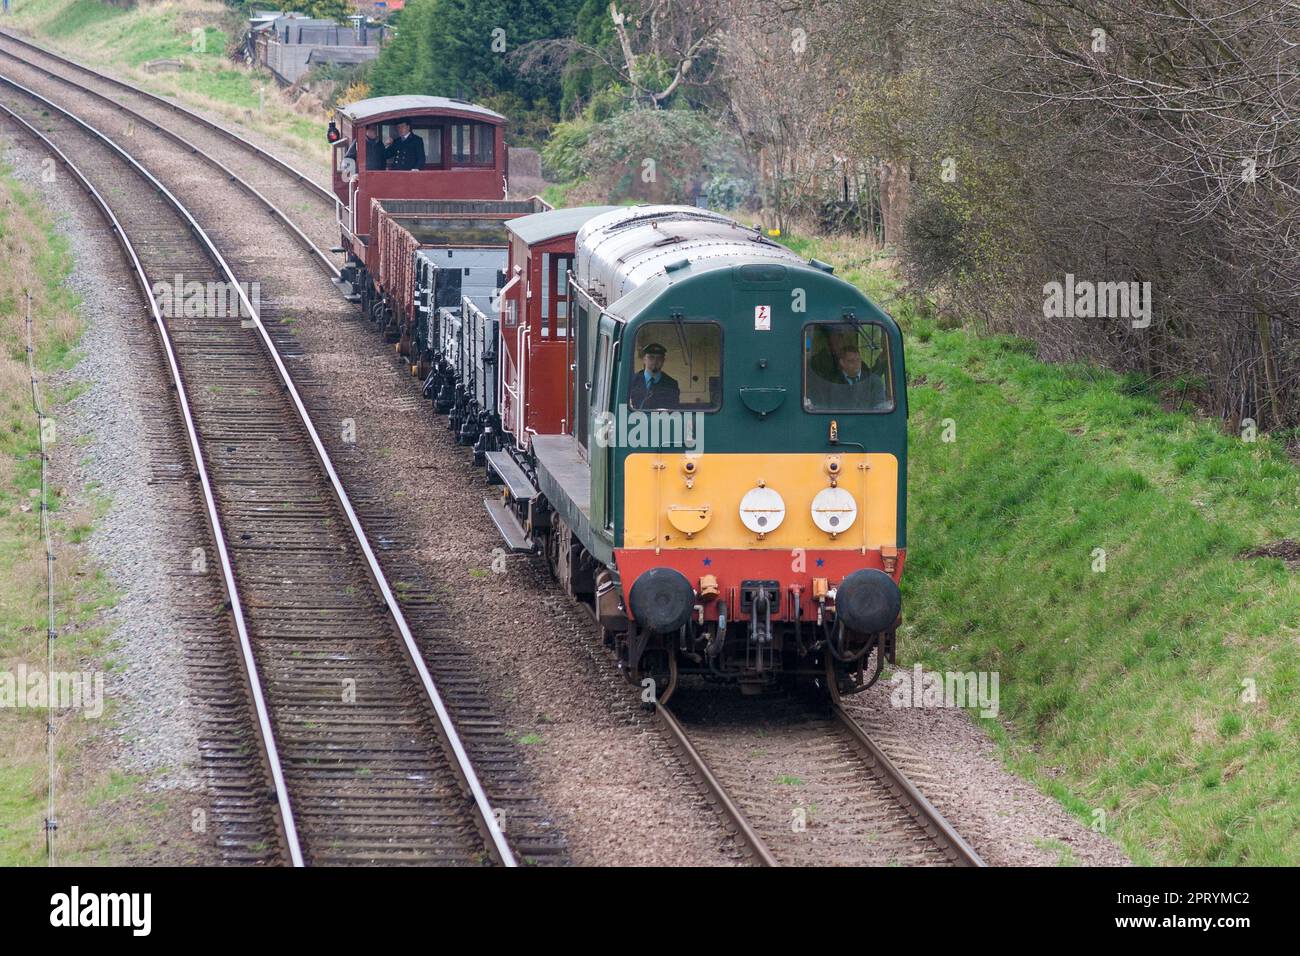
[661,668]
[666,691]
[553,553]
[855,679]
[831,685]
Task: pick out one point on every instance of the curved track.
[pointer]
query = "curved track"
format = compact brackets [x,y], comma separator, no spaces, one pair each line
[360,754]
[34,54]
[265,174]
[357,777]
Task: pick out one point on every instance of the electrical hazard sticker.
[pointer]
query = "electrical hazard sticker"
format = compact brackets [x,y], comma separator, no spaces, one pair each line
[762,318]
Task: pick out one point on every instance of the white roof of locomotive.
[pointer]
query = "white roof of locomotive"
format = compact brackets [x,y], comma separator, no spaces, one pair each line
[619,251]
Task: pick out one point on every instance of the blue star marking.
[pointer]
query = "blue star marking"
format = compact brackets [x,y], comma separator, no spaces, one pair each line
[707,562]
[820,562]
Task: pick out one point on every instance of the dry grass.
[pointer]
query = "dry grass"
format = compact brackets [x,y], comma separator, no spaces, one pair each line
[37,261]
[122,40]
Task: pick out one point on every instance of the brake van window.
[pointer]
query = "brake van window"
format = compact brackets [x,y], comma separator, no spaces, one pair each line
[432,136]
[846,368]
[472,144]
[677,365]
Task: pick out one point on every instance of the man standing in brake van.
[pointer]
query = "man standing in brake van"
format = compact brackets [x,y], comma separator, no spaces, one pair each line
[407,151]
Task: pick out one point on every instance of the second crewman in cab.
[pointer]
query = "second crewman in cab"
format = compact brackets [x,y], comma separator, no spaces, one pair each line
[376,152]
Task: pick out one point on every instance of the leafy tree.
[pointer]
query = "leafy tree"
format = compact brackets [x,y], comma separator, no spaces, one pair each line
[464,48]
[585,77]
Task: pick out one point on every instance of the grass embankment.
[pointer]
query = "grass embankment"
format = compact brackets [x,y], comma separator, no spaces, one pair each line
[1161,690]
[36,259]
[124,39]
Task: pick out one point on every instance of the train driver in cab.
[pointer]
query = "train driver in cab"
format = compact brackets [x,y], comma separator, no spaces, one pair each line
[407,151]
[375,150]
[849,385]
[652,387]
[855,387]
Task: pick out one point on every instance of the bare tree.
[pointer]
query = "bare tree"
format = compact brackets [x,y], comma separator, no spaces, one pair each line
[1203,99]
[1126,140]
[662,45]
[777,82]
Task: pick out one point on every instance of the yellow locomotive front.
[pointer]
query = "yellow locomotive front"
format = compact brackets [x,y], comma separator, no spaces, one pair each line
[757,567]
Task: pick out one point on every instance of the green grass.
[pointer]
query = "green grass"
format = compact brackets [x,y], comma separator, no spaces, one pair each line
[65,20]
[1122,689]
[137,35]
[557,194]
[228,86]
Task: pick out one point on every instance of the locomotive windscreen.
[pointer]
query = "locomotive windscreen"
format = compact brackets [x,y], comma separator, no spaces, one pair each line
[846,368]
[678,366]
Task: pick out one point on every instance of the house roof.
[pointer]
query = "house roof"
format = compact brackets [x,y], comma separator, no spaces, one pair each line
[342,54]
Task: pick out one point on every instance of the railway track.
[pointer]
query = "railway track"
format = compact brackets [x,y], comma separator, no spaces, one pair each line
[192,121]
[359,755]
[842,800]
[355,783]
[256,171]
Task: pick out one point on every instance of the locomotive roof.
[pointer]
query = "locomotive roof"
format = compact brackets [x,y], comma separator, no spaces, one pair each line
[543,226]
[639,297]
[363,110]
[622,255]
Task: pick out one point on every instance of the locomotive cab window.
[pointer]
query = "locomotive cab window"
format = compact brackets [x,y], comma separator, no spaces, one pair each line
[677,365]
[846,367]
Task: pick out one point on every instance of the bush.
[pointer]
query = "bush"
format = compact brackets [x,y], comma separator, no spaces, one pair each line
[563,154]
[649,155]
[728,192]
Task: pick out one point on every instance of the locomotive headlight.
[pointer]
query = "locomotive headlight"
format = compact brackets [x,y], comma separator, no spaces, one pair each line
[834,510]
[762,510]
